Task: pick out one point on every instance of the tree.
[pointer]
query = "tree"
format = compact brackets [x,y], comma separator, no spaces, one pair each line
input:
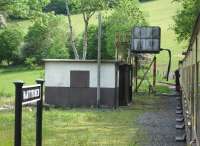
[2,21]
[46,39]
[10,40]
[72,40]
[88,8]
[93,43]
[185,18]
[123,18]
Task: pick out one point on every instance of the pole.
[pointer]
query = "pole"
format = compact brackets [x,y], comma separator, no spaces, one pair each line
[39,114]
[99,62]
[136,74]
[169,65]
[154,73]
[18,112]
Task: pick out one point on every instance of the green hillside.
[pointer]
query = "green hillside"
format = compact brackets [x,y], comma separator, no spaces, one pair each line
[157,12]
[160,13]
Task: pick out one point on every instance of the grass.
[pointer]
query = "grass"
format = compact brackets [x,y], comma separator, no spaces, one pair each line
[10,74]
[81,127]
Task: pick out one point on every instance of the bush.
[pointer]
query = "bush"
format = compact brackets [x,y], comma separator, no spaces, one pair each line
[46,39]
[30,63]
[10,40]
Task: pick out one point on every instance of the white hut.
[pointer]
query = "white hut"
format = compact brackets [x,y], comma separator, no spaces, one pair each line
[74,82]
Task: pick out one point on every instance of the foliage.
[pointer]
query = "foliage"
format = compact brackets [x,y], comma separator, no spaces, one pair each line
[125,16]
[88,9]
[46,38]
[185,18]
[10,40]
[26,8]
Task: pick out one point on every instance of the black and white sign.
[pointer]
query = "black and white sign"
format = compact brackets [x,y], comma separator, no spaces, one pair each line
[31,92]
[145,39]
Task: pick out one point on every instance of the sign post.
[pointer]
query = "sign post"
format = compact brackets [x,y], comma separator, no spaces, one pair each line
[18,112]
[25,95]
[39,115]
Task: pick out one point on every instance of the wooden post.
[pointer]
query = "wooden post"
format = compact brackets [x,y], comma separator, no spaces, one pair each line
[39,114]
[18,112]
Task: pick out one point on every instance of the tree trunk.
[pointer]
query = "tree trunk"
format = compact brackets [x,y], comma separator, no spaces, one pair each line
[85,40]
[2,21]
[72,41]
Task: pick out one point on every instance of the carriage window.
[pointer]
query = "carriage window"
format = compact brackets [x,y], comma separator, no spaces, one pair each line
[79,78]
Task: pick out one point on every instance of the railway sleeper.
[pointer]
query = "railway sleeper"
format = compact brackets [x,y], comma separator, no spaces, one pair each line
[180,125]
[181,138]
[179,111]
[180,119]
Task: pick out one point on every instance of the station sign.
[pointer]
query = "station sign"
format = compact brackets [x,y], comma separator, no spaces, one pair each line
[31,93]
[146,39]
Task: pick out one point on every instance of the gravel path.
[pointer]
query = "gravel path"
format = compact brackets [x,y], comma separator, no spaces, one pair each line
[160,123]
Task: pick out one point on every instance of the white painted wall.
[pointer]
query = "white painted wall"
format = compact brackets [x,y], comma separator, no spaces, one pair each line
[57,74]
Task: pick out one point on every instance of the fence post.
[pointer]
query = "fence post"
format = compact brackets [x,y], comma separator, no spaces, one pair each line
[39,114]
[18,112]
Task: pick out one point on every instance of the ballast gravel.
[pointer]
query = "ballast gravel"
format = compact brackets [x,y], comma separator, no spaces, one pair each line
[160,122]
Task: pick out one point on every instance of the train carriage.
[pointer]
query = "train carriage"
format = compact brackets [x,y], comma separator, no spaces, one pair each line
[189,69]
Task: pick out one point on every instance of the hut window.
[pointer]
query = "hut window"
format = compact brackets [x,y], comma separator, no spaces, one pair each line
[79,78]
